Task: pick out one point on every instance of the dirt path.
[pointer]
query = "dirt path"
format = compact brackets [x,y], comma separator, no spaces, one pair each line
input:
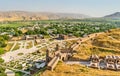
[77,62]
[13,46]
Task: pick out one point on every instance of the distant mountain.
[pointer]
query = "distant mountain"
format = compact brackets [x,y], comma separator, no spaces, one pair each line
[113,16]
[23,15]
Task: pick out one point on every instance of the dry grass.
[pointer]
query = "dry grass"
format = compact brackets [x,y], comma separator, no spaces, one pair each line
[29,45]
[78,70]
[17,46]
[8,47]
[102,45]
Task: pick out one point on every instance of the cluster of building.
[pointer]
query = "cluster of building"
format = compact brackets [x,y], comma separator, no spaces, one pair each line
[52,59]
[111,62]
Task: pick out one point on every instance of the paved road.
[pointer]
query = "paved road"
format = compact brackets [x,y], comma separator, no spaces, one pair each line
[86,63]
[78,62]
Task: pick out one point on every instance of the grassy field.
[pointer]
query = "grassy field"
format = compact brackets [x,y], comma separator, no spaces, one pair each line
[15,24]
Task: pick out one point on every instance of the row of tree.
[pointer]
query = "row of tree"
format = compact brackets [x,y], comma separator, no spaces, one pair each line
[76,29]
[3,43]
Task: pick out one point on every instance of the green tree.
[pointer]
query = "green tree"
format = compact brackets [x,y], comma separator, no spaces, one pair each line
[2,42]
[1,60]
[2,51]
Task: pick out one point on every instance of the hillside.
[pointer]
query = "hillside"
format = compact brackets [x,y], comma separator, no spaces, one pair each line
[23,15]
[115,15]
[105,44]
[63,69]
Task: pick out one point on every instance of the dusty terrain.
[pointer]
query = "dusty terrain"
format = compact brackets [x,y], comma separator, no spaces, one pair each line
[102,45]
[78,70]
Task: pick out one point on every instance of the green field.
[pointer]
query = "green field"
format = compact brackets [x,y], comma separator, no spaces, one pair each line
[14,24]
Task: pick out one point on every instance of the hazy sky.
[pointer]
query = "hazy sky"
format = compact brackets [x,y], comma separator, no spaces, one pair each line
[88,7]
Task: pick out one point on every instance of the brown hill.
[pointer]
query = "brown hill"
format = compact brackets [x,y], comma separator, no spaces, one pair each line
[23,15]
